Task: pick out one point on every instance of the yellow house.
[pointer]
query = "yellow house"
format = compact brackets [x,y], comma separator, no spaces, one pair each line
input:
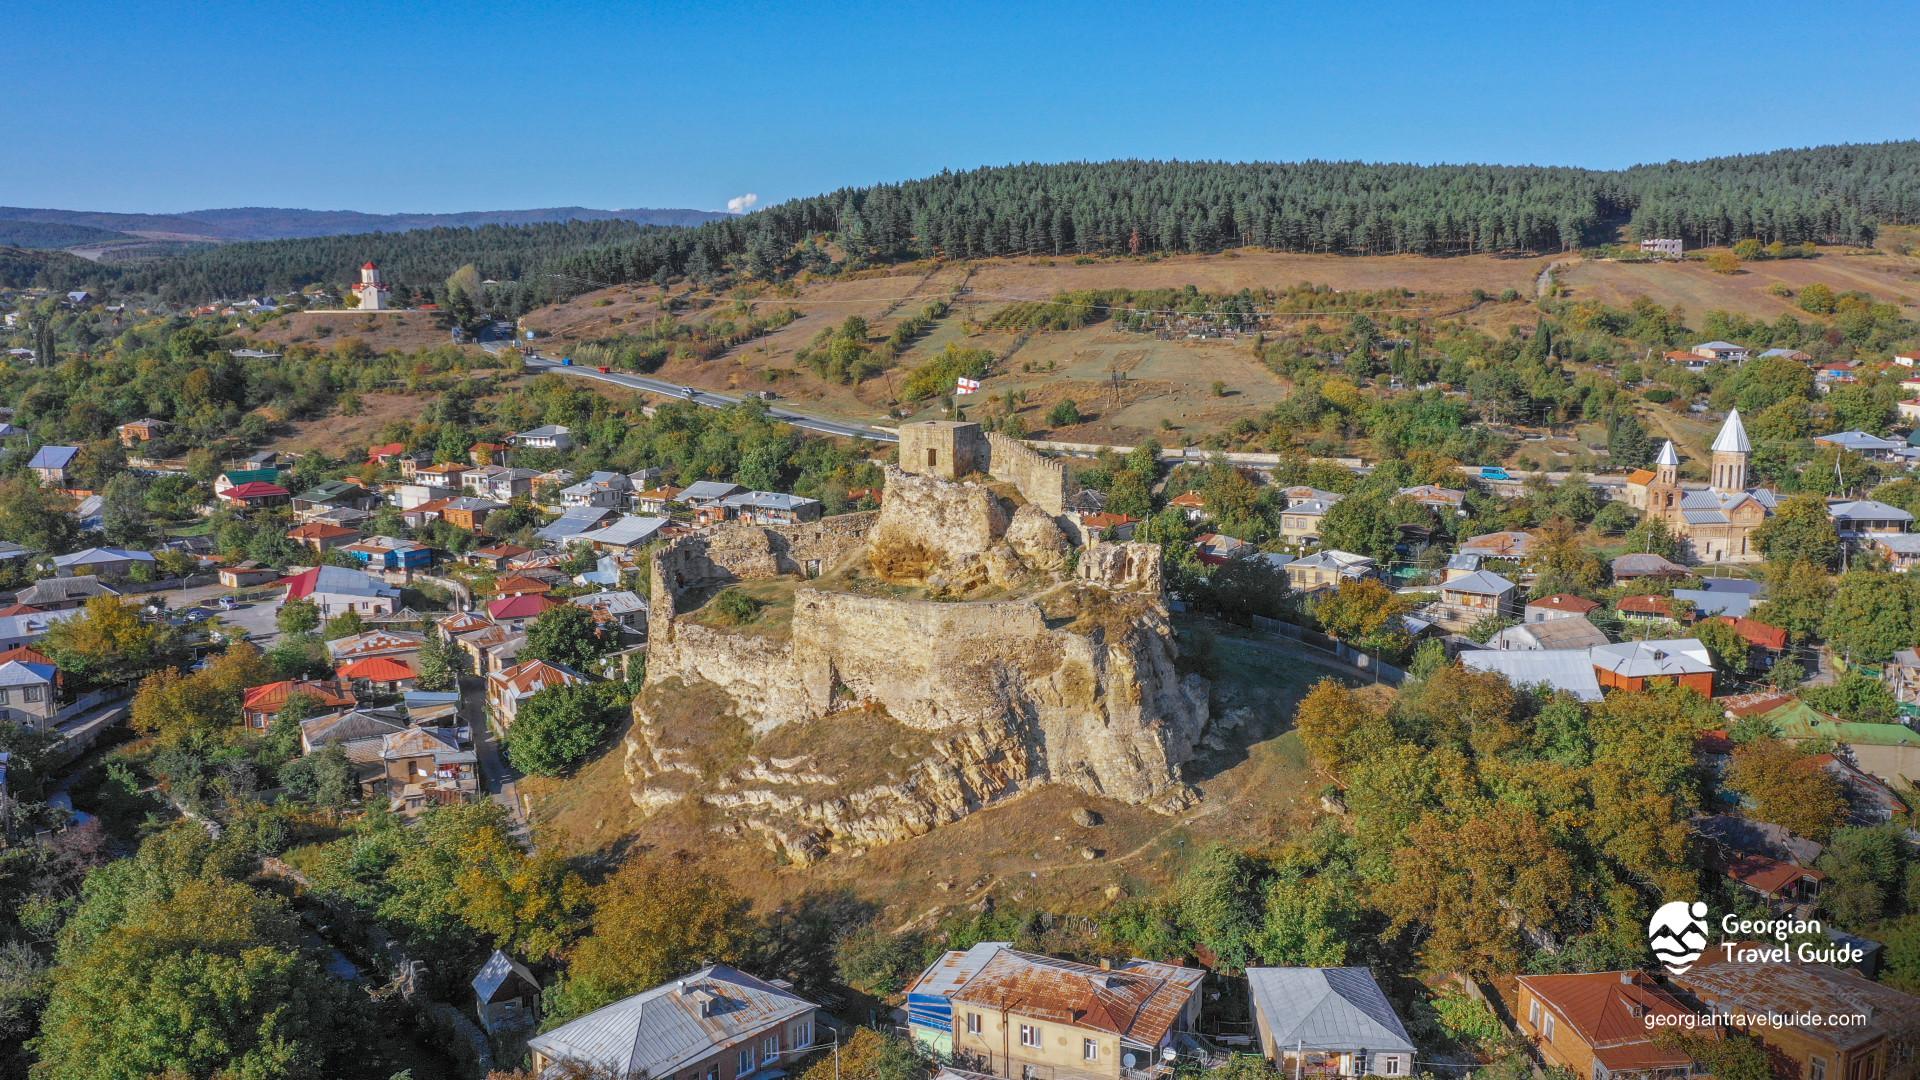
[996,1010]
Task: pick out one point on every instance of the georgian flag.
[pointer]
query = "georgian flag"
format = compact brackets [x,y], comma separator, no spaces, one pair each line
[966,386]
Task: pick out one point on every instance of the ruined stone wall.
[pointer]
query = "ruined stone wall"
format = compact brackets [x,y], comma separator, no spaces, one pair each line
[954,521]
[1040,479]
[1122,567]
[737,551]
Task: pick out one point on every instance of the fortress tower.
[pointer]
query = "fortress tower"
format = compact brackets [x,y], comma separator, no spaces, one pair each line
[373,292]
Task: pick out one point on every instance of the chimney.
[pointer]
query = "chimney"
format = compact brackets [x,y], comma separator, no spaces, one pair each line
[1626,978]
[1106,964]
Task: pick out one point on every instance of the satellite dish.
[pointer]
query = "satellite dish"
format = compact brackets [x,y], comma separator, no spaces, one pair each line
[1169,1055]
[1126,1059]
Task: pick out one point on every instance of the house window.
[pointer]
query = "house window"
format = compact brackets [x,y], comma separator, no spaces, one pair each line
[745,1064]
[1359,1063]
[973,1023]
[1816,1068]
[3,695]
[713,1072]
[803,1034]
[33,694]
[1089,1050]
[1547,1031]
[1390,1066]
[1030,1036]
[1533,1013]
[1028,1072]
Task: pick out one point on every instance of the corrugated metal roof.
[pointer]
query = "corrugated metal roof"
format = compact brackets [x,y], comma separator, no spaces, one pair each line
[1570,670]
[1140,1000]
[494,974]
[1327,1009]
[654,1032]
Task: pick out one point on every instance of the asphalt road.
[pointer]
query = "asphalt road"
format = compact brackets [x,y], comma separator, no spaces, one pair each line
[255,617]
[662,387]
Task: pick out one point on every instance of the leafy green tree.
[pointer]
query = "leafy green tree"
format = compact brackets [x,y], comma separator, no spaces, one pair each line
[557,729]
[324,778]
[1222,904]
[1730,652]
[1782,785]
[344,625]
[1873,614]
[297,617]
[1865,869]
[35,517]
[567,635]
[207,978]
[1065,414]
[1855,696]
[1800,530]
[123,512]
[439,664]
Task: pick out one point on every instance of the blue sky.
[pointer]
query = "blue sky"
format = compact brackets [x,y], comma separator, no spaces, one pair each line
[444,106]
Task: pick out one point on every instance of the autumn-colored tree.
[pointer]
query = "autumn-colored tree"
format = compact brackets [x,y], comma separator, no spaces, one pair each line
[1340,726]
[1470,883]
[1785,786]
[531,905]
[1462,708]
[108,643]
[1562,563]
[1365,613]
[654,919]
[176,708]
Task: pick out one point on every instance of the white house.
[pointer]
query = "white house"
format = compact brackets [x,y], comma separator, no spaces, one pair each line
[546,437]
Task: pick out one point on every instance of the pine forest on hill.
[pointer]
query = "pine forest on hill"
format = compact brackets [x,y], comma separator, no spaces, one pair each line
[1835,194]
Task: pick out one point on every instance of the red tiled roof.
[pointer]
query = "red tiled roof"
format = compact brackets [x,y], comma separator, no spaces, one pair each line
[385,450]
[1643,477]
[25,656]
[1767,876]
[254,489]
[300,585]
[519,607]
[320,530]
[501,551]
[520,585]
[274,695]
[1608,1011]
[1105,520]
[19,609]
[533,676]
[1713,742]
[669,493]
[1647,604]
[1760,701]
[1578,605]
[1188,500]
[1758,633]
[377,669]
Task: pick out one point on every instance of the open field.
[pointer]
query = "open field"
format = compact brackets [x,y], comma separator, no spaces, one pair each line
[1699,290]
[392,331]
[1168,391]
[1025,849]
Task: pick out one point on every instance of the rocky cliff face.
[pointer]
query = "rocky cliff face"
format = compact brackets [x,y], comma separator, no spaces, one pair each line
[870,718]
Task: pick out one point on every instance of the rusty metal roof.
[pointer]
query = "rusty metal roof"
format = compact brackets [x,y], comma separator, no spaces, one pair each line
[1802,991]
[1139,1000]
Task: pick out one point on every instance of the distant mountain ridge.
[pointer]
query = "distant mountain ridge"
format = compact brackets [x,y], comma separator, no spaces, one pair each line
[47,228]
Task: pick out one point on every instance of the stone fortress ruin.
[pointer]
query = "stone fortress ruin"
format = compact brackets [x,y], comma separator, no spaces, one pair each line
[879,674]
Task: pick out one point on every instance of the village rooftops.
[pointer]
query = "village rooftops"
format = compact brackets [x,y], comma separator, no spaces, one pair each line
[1478,583]
[658,1031]
[94,556]
[1139,1000]
[1500,545]
[767,500]
[53,457]
[706,492]
[1654,659]
[1608,1010]
[1328,1009]
[1567,602]
[1568,671]
[1626,567]
[1804,991]
[335,581]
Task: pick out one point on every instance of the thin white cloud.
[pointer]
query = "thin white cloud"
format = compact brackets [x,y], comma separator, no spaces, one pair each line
[740,204]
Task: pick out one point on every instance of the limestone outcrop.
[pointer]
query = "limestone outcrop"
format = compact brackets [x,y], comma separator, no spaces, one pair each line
[908,669]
